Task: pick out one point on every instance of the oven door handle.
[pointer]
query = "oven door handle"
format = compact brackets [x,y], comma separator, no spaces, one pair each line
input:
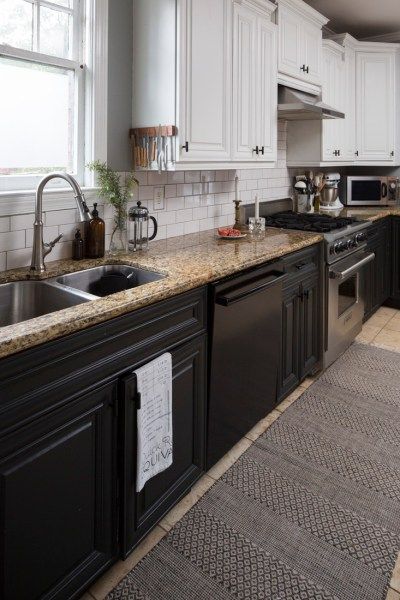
[353,269]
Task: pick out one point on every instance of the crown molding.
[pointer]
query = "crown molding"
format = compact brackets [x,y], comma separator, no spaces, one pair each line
[304,10]
[393,37]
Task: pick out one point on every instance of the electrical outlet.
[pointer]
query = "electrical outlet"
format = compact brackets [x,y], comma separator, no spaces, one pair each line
[159,197]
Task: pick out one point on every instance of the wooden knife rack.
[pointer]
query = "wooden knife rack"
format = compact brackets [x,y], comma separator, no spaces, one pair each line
[154,148]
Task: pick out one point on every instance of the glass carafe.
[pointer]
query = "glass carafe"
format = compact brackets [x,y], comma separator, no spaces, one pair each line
[138,228]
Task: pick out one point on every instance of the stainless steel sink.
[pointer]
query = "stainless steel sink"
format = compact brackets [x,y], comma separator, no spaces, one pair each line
[107,279]
[23,300]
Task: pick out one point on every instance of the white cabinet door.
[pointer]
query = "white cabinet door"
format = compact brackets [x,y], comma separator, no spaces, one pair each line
[254,87]
[375,96]
[312,52]
[290,43]
[245,59]
[205,80]
[349,124]
[267,90]
[333,95]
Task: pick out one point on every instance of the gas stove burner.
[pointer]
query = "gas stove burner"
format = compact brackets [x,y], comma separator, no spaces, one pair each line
[308,222]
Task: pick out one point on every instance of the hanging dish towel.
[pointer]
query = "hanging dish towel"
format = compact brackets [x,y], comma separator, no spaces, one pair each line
[154,419]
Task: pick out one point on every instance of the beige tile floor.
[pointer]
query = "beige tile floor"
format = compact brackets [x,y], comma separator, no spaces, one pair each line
[382,330]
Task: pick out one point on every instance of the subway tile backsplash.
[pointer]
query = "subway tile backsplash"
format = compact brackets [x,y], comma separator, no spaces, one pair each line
[194,201]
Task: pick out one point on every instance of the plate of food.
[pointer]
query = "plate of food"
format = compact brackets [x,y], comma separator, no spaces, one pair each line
[230,233]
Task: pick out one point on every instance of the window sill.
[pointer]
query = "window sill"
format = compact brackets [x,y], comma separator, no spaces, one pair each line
[23,202]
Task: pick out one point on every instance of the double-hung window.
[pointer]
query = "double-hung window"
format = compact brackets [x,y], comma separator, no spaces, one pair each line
[42,90]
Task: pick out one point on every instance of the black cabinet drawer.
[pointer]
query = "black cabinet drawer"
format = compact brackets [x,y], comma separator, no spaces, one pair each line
[79,361]
[301,263]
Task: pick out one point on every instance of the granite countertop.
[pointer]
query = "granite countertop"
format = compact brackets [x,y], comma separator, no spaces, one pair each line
[187,261]
[370,213]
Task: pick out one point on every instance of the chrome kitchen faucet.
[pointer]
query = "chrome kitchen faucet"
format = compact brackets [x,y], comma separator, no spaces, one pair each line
[40,250]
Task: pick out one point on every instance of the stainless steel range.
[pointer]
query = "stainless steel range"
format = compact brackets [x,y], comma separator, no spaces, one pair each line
[346,256]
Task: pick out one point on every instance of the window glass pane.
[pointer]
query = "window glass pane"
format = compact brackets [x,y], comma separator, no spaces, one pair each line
[55,32]
[36,118]
[66,3]
[16,23]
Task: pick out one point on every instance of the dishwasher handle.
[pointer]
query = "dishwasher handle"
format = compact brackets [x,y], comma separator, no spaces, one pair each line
[237,295]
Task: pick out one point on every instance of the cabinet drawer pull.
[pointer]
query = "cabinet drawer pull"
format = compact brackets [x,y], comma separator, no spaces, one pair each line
[301,266]
[186,147]
[262,150]
[256,150]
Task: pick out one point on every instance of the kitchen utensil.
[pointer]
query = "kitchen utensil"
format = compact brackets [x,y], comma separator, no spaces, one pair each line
[138,228]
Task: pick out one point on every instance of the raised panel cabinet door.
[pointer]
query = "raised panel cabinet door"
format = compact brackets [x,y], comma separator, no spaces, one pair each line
[205,80]
[143,510]
[395,265]
[333,94]
[245,83]
[375,93]
[290,59]
[58,500]
[349,90]
[312,51]
[267,90]
[310,330]
[290,375]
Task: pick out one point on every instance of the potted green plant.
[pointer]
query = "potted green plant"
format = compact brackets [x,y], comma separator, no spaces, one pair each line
[117,194]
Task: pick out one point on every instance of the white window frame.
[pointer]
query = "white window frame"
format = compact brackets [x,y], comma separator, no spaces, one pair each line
[17,192]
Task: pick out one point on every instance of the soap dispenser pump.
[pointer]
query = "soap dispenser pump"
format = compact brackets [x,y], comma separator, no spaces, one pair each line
[95,243]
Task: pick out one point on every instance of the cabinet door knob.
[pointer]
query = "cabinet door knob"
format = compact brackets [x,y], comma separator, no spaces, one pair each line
[357,153]
[392,153]
[303,68]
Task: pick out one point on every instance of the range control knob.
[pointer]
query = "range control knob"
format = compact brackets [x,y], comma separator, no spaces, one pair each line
[360,237]
[339,247]
[348,244]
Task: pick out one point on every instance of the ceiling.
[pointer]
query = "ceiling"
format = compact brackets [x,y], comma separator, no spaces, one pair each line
[361,18]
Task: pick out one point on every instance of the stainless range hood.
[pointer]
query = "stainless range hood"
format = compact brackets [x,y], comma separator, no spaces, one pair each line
[294,105]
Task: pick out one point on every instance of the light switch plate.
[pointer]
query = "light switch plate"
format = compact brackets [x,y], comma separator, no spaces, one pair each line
[159,198]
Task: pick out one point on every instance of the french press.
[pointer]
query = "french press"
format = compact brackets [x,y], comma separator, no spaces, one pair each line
[138,223]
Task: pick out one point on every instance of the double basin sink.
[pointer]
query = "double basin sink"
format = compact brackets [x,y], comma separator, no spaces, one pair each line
[23,300]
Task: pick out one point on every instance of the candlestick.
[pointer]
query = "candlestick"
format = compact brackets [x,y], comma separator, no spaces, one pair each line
[257,208]
[236,188]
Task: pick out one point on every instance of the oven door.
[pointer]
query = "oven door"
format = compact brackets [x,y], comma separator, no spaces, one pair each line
[367,191]
[345,302]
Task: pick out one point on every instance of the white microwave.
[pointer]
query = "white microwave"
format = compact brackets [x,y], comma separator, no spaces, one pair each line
[372,191]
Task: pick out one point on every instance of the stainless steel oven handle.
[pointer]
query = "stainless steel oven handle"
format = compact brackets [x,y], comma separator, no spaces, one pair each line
[353,269]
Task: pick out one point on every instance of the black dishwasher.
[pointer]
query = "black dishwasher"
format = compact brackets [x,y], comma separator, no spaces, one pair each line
[245,346]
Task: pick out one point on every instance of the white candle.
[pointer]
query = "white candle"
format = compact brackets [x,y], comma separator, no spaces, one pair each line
[236,188]
[257,208]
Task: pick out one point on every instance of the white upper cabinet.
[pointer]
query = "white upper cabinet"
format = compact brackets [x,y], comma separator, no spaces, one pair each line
[333,94]
[376,86]
[254,85]
[300,44]
[205,80]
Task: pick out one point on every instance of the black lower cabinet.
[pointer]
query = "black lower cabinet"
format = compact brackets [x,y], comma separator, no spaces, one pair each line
[141,511]
[58,499]
[68,446]
[377,274]
[395,262]
[302,319]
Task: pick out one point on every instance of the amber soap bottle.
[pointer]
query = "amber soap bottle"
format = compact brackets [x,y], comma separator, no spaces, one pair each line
[95,232]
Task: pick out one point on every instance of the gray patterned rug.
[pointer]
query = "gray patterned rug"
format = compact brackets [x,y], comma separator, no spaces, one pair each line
[310,511]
